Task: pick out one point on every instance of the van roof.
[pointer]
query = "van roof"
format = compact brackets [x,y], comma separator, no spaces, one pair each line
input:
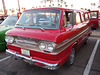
[46,8]
[69,9]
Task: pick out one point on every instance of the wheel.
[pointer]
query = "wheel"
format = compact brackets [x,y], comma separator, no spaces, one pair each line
[71,57]
[6,47]
[86,41]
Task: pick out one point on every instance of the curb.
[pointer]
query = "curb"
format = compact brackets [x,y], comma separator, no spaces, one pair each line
[95,34]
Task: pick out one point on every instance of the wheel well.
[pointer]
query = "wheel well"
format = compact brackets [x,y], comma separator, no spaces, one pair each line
[75,46]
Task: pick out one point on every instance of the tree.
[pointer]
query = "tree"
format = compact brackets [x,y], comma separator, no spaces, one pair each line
[49,1]
[33,7]
[66,5]
[44,6]
[1,10]
[52,4]
[12,10]
[49,5]
[82,8]
[93,4]
[23,8]
[58,3]
[39,6]
[85,8]
[71,5]
[98,6]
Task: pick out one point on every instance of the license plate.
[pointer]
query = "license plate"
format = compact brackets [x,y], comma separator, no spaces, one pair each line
[25,52]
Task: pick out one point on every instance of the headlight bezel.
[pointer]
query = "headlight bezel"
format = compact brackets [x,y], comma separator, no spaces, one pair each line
[42,43]
[9,39]
[47,46]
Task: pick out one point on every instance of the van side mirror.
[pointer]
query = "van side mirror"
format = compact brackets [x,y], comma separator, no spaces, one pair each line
[18,14]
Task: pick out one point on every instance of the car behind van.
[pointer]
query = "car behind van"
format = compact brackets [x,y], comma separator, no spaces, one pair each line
[6,25]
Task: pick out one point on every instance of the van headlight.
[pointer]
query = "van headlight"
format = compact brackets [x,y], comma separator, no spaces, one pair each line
[50,47]
[9,39]
[47,46]
[42,46]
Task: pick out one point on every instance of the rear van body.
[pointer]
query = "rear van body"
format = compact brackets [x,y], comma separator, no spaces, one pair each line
[94,18]
[48,37]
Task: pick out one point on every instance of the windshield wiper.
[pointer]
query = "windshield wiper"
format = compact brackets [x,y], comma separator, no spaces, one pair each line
[39,26]
[21,25]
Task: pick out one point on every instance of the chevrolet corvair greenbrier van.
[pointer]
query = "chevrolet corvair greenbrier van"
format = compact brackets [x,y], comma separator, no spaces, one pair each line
[48,37]
[6,25]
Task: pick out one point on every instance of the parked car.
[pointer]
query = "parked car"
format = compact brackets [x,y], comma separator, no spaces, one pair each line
[48,37]
[99,20]
[6,25]
[2,18]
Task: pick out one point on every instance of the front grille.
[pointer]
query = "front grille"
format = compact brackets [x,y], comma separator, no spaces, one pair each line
[26,41]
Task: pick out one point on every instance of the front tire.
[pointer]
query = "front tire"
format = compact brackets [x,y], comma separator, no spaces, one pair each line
[71,57]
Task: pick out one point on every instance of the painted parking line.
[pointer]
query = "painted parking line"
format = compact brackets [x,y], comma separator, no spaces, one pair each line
[88,66]
[5,58]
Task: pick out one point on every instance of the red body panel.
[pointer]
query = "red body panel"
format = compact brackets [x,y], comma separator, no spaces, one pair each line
[53,59]
[50,35]
[95,21]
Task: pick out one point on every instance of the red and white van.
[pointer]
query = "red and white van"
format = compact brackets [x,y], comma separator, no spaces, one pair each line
[48,37]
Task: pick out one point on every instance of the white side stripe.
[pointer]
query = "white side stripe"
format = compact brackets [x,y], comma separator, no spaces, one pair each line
[4,58]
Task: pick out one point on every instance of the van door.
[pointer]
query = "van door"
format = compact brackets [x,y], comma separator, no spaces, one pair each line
[94,16]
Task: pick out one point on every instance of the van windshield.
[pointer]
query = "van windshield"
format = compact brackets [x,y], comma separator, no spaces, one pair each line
[44,18]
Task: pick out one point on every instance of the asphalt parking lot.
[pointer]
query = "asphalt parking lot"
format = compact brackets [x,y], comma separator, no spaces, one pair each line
[81,66]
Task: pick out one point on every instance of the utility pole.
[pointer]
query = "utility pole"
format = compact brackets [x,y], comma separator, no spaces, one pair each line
[99,4]
[18,5]
[4,7]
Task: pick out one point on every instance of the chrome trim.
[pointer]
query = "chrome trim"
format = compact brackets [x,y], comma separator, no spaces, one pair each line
[75,37]
[25,41]
[45,65]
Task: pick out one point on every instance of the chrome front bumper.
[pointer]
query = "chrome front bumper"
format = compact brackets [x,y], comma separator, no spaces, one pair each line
[32,61]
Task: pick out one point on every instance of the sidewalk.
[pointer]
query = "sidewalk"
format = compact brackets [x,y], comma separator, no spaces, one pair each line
[96,33]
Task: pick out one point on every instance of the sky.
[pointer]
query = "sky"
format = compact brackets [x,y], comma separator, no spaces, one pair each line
[28,4]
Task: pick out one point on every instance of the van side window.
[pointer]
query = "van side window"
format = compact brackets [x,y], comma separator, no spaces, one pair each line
[64,20]
[78,19]
[86,16]
[93,15]
[82,16]
[67,19]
